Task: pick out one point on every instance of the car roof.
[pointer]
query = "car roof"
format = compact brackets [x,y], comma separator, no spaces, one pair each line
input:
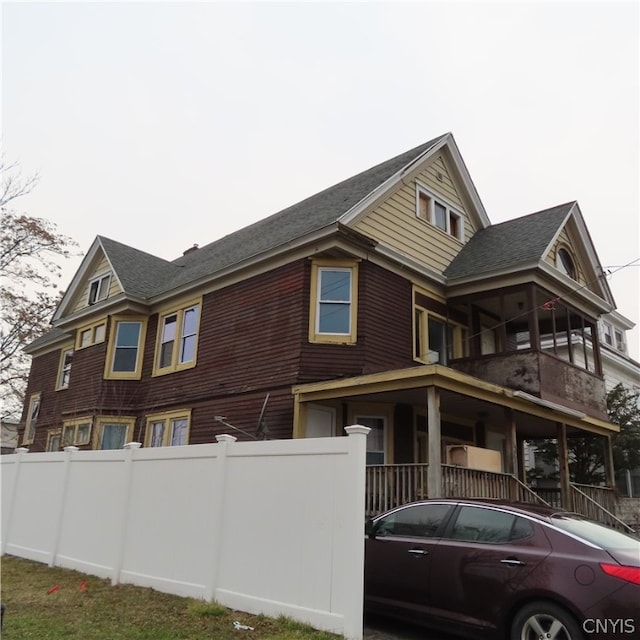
[543,511]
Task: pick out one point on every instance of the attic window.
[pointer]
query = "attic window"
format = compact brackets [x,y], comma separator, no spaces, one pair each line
[564,263]
[438,213]
[99,289]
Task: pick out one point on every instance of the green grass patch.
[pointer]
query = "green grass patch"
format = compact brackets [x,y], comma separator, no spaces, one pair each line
[44,603]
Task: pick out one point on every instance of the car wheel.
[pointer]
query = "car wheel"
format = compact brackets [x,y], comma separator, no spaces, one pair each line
[544,621]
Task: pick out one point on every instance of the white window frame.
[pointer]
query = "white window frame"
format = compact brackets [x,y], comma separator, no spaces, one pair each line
[451,212]
[99,288]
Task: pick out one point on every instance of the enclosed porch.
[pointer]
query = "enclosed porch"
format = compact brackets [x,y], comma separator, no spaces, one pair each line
[436,432]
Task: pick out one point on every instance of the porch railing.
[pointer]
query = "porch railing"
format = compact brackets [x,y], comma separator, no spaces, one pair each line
[597,503]
[392,485]
[389,486]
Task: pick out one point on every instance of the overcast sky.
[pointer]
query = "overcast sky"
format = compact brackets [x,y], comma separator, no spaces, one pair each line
[162,125]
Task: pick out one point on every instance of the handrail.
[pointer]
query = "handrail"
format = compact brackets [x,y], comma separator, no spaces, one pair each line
[613,519]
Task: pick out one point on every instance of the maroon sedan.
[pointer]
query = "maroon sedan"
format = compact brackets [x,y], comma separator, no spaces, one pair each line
[498,570]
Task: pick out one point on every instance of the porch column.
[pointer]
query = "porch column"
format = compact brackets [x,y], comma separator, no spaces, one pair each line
[434,470]
[566,498]
[511,453]
[511,448]
[609,471]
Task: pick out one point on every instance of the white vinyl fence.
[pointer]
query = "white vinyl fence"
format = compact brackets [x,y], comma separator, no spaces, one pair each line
[273,527]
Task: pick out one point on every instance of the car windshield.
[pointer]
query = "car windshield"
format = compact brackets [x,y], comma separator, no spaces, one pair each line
[595,532]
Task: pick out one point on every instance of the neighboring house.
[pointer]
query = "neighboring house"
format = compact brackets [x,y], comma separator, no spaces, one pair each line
[8,434]
[387,300]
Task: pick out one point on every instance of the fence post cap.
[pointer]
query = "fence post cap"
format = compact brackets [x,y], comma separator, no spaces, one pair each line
[22,450]
[132,445]
[71,448]
[226,437]
[357,428]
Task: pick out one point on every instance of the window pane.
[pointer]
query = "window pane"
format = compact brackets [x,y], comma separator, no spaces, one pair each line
[335,285]
[454,225]
[54,443]
[188,349]
[82,433]
[169,328]
[99,333]
[157,434]
[125,360]
[166,353]
[421,521]
[126,354]
[103,289]
[483,525]
[423,206]
[335,318]
[440,216]
[113,436]
[190,321]
[437,342]
[128,334]
[67,436]
[178,432]
[85,338]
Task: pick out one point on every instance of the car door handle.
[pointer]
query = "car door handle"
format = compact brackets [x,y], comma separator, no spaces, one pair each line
[419,552]
[513,562]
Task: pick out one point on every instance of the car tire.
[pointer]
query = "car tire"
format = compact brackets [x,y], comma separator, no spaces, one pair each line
[539,618]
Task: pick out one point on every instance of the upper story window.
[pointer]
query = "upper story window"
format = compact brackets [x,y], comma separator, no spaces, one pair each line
[435,340]
[126,341]
[177,339]
[620,343]
[32,417]
[607,333]
[64,369]
[440,214]
[99,288]
[333,311]
[91,334]
[564,263]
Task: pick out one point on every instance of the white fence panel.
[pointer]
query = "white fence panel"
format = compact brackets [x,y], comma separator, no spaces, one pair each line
[171,514]
[266,527]
[92,519]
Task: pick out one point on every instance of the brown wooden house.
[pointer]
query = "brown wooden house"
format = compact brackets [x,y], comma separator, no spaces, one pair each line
[387,300]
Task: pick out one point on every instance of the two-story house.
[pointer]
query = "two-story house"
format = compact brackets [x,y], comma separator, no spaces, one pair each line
[388,300]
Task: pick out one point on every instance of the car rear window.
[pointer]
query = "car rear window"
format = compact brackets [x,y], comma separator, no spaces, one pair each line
[594,532]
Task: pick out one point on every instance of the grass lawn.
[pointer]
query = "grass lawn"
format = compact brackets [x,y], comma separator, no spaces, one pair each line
[44,603]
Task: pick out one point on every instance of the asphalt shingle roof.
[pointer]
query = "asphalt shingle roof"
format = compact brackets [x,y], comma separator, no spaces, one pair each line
[509,244]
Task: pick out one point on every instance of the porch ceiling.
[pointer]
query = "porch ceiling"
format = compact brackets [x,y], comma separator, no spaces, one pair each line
[460,395]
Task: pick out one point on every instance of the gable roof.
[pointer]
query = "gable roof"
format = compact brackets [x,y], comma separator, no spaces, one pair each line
[509,244]
[144,276]
[312,214]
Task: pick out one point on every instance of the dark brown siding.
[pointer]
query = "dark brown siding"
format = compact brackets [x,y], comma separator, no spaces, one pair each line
[253,341]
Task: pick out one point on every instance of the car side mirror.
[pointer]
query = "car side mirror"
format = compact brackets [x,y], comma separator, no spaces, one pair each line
[370,528]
